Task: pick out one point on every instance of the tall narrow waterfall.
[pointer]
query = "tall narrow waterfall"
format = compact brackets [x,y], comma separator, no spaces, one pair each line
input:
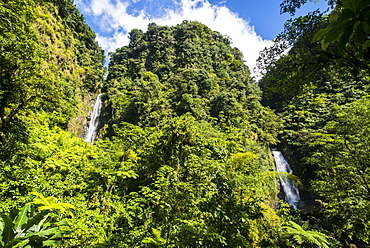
[289,187]
[91,132]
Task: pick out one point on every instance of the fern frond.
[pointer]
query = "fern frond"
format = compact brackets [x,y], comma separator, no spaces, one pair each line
[301,236]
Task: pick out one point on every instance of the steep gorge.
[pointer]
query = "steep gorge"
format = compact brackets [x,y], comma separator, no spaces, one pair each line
[183,157]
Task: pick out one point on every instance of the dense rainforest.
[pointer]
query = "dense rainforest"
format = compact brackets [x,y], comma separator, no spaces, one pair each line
[183,153]
[320,89]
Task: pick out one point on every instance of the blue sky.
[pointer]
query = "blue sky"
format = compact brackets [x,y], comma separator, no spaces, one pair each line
[265,16]
[251,24]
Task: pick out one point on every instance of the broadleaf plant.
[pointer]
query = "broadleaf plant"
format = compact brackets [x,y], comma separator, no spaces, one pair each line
[32,226]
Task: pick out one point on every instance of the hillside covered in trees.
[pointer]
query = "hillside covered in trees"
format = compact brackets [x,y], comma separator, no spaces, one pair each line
[320,88]
[183,154]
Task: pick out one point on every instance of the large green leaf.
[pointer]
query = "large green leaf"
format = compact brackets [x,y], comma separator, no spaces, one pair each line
[16,242]
[21,243]
[43,233]
[36,221]
[347,14]
[344,38]
[367,44]
[7,233]
[336,30]
[366,26]
[2,226]
[21,218]
[320,34]
[365,13]
[303,236]
[352,5]
[359,35]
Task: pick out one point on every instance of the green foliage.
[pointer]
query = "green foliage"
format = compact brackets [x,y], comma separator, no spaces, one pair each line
[341,155]
[183,101]
[183,67]
[171,71]
[91,178]
[349,21]
[309,141]
[20,70]
[50,203]
[306,65]
[184,156]
[317,86]
[41,67]
[43,81]
[193,189]
[302,237]
[291,6]
[32,225]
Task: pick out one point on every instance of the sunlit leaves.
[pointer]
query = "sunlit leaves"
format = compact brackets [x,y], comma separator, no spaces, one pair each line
[42,66]
[31,227]
[301,236]
[188,183]
[343,175]
[171,71]
[170,173]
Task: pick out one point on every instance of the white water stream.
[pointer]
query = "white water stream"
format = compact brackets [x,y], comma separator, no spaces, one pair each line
[91,132]
[288,186]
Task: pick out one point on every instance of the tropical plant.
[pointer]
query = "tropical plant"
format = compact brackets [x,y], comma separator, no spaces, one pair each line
[349,21]
[302,237]
[33,226]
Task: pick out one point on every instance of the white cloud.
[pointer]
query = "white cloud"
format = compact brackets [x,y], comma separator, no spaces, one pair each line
[113,16]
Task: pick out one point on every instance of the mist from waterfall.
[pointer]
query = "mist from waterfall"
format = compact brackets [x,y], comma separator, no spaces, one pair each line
[288,186]
[92,130]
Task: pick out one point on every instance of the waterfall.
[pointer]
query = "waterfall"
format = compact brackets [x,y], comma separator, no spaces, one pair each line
[91,132]
[289,187]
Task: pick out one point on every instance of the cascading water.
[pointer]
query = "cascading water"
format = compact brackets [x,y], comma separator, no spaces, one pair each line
[289,187]
[91,132]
